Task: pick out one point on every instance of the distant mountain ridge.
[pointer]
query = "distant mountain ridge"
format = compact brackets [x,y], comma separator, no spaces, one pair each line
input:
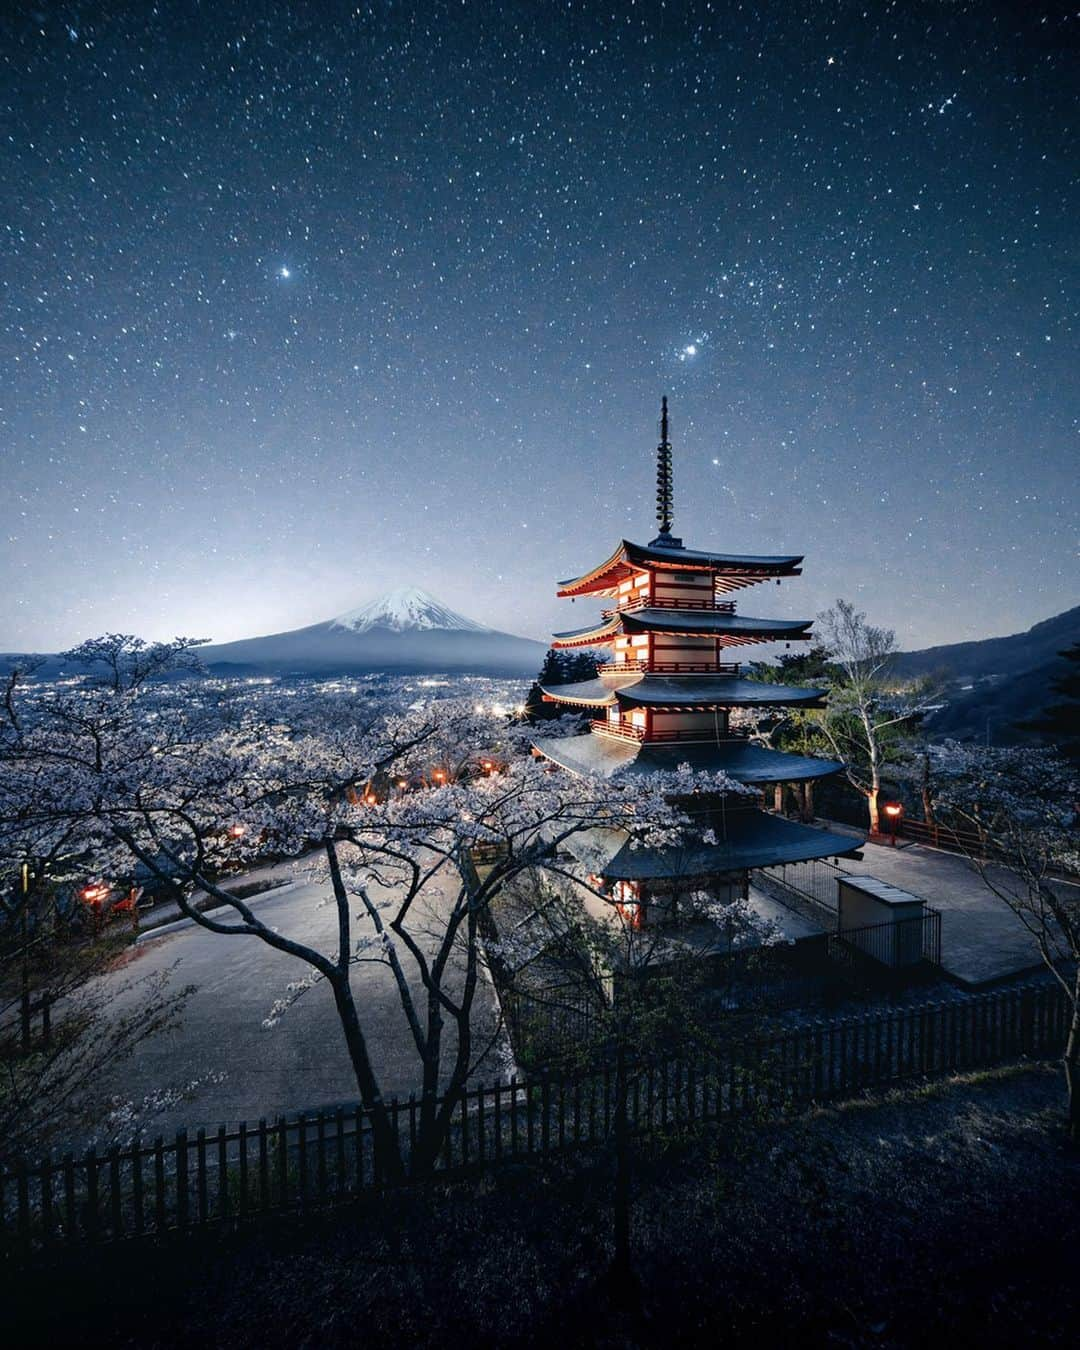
[996,683]
[995,656]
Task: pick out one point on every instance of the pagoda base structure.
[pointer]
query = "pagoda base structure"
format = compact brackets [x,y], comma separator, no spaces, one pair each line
[664,697]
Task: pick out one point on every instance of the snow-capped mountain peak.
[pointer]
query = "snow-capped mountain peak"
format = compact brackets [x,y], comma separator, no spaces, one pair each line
[406,608]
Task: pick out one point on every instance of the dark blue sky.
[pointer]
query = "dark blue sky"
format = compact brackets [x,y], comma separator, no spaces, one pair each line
[302,302]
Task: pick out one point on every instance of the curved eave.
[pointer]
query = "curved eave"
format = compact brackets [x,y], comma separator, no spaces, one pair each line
[737,570]
[732,629]
[677,693]
[586,694]
[752,838]
[699,691]
[604,756]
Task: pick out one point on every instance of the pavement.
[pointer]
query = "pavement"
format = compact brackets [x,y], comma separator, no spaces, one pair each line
[299,1064]
[981,939]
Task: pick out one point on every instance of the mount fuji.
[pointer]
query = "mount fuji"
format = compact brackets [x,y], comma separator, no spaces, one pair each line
[406,631]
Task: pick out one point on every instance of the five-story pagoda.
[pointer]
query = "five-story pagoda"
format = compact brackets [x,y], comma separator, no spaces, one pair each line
[664,698]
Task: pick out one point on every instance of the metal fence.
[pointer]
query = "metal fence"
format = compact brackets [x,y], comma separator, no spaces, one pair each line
[814,881]
[899,945]
[313,1163]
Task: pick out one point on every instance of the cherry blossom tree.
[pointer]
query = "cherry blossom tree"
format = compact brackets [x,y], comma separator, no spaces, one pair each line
[185,783]
[1023,804]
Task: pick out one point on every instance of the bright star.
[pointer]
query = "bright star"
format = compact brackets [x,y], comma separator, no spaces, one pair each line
[284,272]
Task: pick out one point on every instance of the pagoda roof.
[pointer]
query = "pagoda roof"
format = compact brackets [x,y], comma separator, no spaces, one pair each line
[737,570]
[750,838]
[735,629]
[597,755]
[682,691]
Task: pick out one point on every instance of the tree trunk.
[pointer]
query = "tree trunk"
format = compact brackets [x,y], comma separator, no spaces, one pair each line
[872,808]
[384,1137]
[927,794]
[1072,1069]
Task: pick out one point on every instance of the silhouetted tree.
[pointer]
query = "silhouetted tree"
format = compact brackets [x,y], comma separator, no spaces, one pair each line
[1059,723]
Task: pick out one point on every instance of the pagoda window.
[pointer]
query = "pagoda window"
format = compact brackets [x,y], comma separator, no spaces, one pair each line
[638,718]
[627,897]
[639,640]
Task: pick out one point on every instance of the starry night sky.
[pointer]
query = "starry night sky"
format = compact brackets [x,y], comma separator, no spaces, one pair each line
[302,302]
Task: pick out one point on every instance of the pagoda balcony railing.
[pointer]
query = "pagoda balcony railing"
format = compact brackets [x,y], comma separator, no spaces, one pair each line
[626,731]
[669,667]
[645,602]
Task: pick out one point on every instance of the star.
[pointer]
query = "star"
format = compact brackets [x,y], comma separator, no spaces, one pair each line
[284,273]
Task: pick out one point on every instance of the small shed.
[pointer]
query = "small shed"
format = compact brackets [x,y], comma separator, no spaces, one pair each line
[881,921]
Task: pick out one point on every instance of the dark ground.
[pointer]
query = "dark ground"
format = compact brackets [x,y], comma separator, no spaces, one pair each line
[947,1214]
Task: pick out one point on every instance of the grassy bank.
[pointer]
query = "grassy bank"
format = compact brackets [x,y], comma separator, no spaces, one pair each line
[948,1211]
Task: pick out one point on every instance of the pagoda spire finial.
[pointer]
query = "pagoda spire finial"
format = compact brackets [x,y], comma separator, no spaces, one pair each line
[665,492]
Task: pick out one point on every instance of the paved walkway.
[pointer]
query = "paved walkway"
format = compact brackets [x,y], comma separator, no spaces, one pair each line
[301,1063]
[981,939]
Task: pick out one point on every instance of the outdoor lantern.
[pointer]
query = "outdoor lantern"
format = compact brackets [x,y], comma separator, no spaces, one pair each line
[237,831]
[894,810]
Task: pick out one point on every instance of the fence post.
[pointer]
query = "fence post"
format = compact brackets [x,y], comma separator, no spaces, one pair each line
[115,1207]
[1027,1022]
[223,1174]
[200,1173]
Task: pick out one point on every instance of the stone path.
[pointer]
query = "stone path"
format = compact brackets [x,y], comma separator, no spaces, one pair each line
[981,939]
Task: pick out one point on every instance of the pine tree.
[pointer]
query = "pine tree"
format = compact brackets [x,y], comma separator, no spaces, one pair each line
[1058,724]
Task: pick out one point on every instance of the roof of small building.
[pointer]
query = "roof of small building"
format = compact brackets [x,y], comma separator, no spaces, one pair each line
[750,838]
[681,691]
[597,755]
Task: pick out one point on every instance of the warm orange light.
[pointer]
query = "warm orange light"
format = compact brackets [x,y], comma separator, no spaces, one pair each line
[402,783]
[893,809]
[93,895]
[438,775]
[237,831]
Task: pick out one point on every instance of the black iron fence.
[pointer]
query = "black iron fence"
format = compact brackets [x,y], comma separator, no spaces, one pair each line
[900,945]
[814,882]
[312,1163]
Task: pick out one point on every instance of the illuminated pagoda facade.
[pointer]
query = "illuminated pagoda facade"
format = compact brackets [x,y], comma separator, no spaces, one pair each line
[664,697]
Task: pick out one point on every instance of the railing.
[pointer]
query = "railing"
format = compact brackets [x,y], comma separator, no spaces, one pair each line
[896,946]
[625,731]
[814,882]
[671,667]
[313,1163]
[645,602]
[618,667]
[942,836]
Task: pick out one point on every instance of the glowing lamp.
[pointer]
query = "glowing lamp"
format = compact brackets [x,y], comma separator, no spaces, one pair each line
[893,809]
[237,831]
